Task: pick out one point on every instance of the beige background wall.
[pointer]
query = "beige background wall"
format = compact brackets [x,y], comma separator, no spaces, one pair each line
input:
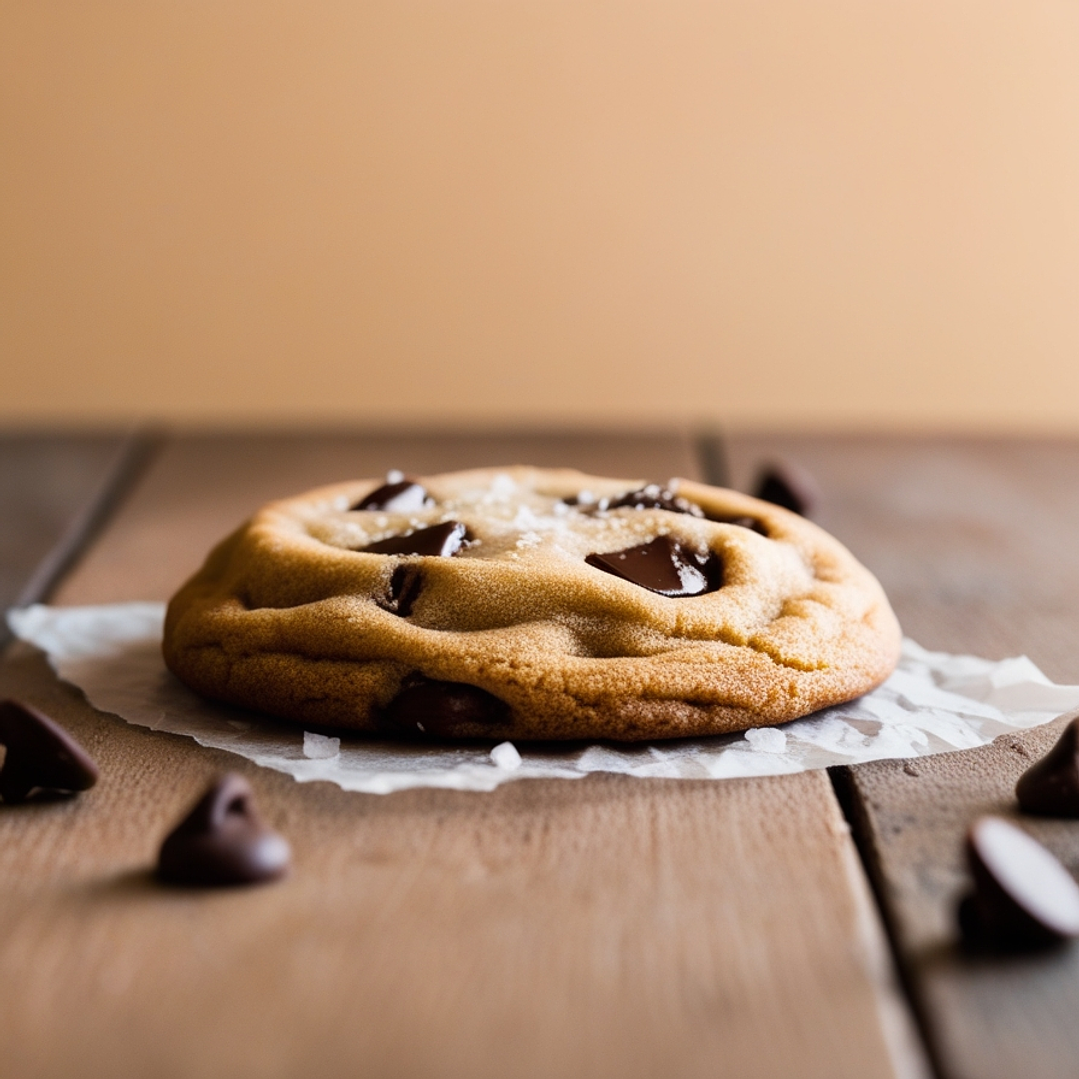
[805,213]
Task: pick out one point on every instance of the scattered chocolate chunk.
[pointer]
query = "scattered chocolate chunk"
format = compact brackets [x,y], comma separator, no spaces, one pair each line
[663,566]
[403,496]
[441,708]
[223,840]
[1023,897]
[654,497]
[445,540]
[41,755]
[788,485]
[1051,786]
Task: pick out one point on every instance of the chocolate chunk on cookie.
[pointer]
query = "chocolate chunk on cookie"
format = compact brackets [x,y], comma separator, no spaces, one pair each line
[755,524]
[444,709]
[441,540]
[622,616]
[664,567]
[405,586]
[402,496]
[654,497]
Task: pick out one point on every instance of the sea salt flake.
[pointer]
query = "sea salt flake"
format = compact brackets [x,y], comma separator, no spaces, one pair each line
[320,747]
[766,739]
[505,755]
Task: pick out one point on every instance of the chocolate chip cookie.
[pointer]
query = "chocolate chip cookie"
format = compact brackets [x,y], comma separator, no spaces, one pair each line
[531,603]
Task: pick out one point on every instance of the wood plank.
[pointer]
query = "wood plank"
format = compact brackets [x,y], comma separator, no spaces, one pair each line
[54,491]
[973,541]
[603,927]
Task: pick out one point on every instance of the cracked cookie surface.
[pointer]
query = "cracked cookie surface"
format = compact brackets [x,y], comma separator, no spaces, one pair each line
[531,604]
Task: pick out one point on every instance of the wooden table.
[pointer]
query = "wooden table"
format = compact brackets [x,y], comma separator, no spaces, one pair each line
[602,927]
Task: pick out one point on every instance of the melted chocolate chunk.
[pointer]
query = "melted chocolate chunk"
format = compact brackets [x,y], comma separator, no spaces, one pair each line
[401,497]
[1051,787]
[787,485]
[442,708]
[442,540]
[223,841]
[654,497]
[663,566]
[41,755]
[1023,897]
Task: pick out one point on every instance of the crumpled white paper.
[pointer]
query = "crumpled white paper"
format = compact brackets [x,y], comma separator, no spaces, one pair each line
[933,703]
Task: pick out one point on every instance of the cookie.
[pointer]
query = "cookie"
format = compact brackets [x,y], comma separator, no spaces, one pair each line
[531,603]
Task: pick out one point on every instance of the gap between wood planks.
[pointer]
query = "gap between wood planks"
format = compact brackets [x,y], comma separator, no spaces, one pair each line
[854,813]
[45,484]
[130,461]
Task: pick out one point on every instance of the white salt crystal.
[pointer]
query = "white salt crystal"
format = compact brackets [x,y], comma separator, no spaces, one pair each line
[767,739]
[320,747]
[505,755]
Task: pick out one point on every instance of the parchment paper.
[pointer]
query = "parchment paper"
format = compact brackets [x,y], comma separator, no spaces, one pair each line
[933,703]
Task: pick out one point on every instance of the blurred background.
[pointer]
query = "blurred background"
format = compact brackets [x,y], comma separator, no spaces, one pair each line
[828,215]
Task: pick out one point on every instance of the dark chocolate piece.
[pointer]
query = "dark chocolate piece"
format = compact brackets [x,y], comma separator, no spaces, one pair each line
[223,841]
[654,497]
[441,708]
[786,484]
[754,523]
[443,540]
[663,566]
[405,585]
[401,497]
[1051,786]
[1023,897]
[41,755]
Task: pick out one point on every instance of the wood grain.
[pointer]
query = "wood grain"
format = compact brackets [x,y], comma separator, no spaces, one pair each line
[973,542]
[603,927]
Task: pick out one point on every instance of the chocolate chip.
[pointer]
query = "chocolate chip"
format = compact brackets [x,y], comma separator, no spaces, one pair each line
[445,540]
[654,497]
[223,840]
[400,497]
[788,485]
[442,708]
[1023,897]
[663,566]
[1051,786]
[41,755]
